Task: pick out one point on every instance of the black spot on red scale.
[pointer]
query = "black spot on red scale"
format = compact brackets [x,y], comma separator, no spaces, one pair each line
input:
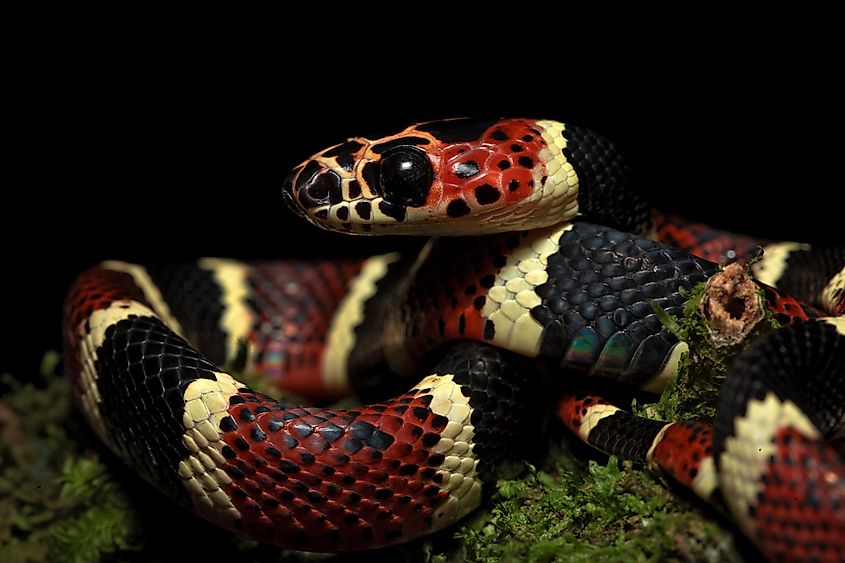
[289,467]
[241,444]
[439,422]
[228,424]
[316,497]
[499,135]
[234,472]
[486,194]
[330,432]
[457,208]
[352,445]
[431,490]
[408,469]
[513,185]
[525,162]
[430,439]
[489,330]
[380,440]
[503,164]
[383,494]
[516,148]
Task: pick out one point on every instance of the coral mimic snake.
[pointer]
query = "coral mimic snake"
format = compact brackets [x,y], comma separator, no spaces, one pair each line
[545,255]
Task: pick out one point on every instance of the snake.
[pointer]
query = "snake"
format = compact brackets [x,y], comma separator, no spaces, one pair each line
[540,265]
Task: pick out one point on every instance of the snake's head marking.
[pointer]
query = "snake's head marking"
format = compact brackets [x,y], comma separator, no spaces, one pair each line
[455,177]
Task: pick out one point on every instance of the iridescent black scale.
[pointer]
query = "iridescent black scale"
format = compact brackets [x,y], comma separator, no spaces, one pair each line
[143,369]
[598,305]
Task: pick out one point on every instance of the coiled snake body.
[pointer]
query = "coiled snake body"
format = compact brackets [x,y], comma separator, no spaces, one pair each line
[476,316]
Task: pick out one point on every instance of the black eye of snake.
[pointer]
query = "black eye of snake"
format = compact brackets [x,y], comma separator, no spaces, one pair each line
[405,176]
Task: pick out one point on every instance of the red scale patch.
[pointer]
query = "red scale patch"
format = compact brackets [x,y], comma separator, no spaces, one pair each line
[496,169]
[683,447]
[718,246]
[341,479]
[572,408]
[448,296]
[294,303]
[800,513]
[786,308]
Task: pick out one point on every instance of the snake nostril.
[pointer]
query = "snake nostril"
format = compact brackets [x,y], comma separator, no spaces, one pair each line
[318,191]
[324,189]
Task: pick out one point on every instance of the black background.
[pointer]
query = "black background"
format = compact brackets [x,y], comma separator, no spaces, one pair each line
[162,155]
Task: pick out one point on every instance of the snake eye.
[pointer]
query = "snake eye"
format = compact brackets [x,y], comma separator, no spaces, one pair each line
[405,175]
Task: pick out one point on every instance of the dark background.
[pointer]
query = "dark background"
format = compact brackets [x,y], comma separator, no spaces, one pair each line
[159,156]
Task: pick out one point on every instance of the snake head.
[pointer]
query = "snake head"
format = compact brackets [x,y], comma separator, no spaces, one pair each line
[450,177]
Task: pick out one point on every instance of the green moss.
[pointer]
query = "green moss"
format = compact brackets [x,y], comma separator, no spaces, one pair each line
[597,512]
[59,502]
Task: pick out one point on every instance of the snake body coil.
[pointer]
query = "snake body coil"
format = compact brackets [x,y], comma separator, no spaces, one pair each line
[547,283]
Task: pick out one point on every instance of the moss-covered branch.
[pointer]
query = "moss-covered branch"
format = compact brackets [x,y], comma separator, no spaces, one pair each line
[720,319]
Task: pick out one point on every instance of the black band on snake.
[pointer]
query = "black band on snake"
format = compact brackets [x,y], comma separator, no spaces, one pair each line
[546,256]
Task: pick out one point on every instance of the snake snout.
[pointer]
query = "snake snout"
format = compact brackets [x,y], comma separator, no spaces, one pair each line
[311,185]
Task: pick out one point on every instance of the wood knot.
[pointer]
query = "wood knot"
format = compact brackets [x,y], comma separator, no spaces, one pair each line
[731,306]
